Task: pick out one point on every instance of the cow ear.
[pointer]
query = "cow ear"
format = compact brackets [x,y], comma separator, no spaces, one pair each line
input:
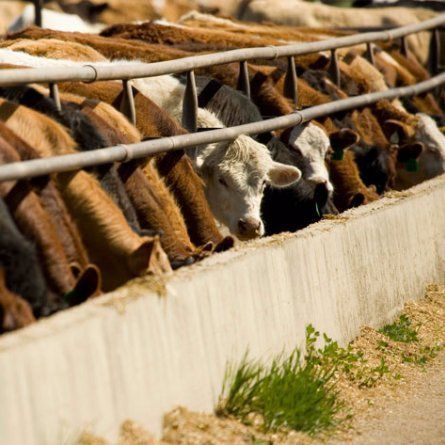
[341,140]
[395,131]
[409,152]
[282,175]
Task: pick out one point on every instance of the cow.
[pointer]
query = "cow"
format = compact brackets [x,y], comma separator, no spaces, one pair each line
[235,173]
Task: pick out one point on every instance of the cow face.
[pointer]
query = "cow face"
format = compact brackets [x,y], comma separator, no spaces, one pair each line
[311,144]
[422,143]
[236,174]
[432,158]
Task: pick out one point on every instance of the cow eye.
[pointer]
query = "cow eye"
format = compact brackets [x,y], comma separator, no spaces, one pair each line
[223,182]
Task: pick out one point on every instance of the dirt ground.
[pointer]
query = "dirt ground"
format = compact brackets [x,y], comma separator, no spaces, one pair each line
[416,416]
[395,395]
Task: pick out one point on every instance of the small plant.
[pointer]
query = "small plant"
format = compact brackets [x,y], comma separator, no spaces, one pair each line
[424,355]
[401,330]
[294,392]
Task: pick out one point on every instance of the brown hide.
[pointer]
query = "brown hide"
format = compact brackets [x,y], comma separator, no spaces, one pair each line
[54,48]
[119,252]
[15,312]
[269,30]
[53,203]
[403,76]
[270,102]
[198,40]
[36,224]
[345,177]
[111,48]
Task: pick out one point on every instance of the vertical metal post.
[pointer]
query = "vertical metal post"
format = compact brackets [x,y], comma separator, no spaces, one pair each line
[403,46]
[243,79]
[190,104]
[127,102]
[38,12]
[370,53]
[55,96]
[434,53]
[334,69]
[290,81]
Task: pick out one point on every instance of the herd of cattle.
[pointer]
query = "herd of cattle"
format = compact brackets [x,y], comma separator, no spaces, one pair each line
[70,236]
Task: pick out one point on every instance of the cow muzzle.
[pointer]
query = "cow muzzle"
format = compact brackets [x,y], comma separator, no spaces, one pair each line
[249,228]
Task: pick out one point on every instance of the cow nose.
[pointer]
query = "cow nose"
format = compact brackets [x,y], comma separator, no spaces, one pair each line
[249,227]
[321,194]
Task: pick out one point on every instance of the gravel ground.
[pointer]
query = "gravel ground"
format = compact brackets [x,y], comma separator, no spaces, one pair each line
[417,416]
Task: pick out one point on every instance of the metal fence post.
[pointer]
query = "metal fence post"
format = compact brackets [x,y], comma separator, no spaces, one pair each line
[190,104]
[127,106]
[403,46]
[38,12]
[55,96]
[334,69]
[434,53]
[290,81]
[243,79]
[370,53]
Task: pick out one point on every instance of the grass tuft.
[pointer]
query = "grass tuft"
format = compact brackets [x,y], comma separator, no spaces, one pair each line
[401,330]
[295,391]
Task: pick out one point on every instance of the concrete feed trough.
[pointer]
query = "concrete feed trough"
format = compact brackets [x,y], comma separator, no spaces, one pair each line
[152,345]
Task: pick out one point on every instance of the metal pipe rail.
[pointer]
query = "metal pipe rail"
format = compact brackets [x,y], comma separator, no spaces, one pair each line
[94,72]
[123,153]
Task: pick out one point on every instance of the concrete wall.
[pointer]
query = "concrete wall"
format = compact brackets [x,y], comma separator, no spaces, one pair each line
[140,351]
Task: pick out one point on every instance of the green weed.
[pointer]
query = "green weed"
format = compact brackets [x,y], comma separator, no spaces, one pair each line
[401,330]
[294,391]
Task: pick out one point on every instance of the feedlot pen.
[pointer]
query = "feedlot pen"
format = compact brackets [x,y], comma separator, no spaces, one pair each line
[160,342]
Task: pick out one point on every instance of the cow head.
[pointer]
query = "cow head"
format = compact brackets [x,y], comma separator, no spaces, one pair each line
[235,175]
[432,158]
[311,144]
[422,148]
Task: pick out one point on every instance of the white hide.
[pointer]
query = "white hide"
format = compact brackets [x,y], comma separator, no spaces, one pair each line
[313,144]
[235,172]
[432,158]
[59,21]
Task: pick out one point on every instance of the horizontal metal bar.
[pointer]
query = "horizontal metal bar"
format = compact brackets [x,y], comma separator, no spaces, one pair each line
[135,70]
[122,153]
